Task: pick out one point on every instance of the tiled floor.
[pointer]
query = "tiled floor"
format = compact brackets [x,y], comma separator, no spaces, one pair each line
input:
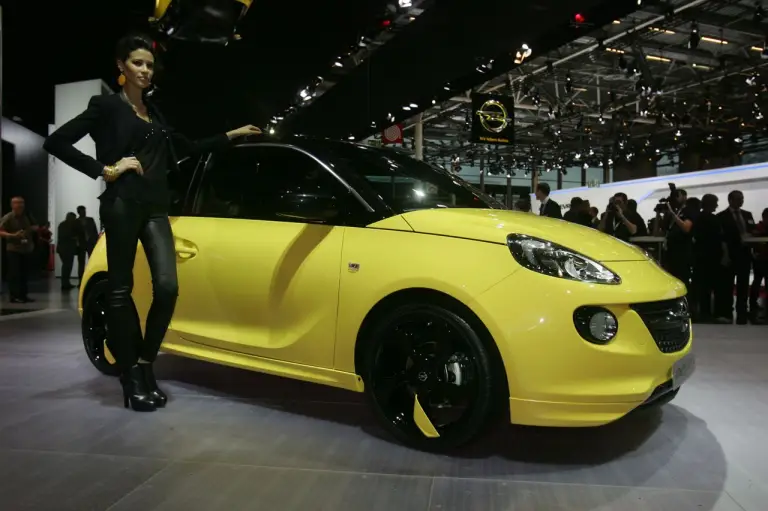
[233,440]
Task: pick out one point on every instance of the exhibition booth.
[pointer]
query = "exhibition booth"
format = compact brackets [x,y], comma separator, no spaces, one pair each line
[752,180]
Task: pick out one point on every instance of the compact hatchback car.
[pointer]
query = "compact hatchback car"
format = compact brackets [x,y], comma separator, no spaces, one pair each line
[364,269]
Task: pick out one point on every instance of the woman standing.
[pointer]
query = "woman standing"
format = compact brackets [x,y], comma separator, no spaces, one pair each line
[134,152]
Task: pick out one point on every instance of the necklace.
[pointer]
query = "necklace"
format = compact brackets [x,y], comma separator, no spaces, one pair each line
[145,118]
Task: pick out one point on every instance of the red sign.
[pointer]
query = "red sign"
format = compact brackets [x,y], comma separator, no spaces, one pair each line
[392,135]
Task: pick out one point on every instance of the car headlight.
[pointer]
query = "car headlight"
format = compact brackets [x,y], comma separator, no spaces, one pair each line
[556,261]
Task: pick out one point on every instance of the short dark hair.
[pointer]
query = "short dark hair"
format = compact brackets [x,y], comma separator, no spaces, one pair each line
[131,43]
[81,208]
[732,195]
[543,188]
[622,195]
[576,202]
[709,202]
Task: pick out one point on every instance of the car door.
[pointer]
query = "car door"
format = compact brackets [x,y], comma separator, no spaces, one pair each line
[259,261]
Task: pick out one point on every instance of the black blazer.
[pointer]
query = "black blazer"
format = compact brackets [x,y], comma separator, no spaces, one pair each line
[731,235]
[109,123]
[552,210]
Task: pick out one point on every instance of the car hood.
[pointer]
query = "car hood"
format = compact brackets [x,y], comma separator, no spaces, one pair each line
[494,225]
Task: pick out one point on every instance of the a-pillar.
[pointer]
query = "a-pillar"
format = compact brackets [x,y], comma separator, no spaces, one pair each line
[418,138]
[68,188]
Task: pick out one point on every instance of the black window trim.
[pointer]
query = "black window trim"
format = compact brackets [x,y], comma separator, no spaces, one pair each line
[206,167]
[320,162]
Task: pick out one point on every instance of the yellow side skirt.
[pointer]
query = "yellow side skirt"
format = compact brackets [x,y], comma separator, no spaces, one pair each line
[330,377]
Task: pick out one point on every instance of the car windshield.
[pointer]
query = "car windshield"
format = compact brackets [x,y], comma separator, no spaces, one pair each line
[398,181]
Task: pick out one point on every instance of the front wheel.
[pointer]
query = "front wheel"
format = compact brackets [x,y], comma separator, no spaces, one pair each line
[429,377]
[94,327]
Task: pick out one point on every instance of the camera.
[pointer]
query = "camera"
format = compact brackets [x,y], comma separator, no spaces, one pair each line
[671,200]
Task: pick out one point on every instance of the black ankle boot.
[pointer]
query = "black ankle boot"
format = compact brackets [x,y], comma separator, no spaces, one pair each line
[135,391]
[158,396]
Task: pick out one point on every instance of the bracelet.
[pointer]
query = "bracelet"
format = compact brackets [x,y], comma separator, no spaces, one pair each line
[110,173]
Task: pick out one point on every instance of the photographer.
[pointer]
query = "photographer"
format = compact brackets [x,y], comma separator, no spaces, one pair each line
[675,221]
[619,222]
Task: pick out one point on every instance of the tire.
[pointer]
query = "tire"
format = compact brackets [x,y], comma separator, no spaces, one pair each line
[94,327]
[427,351]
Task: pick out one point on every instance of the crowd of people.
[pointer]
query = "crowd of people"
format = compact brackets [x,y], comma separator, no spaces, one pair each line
[707,250]
[28,247]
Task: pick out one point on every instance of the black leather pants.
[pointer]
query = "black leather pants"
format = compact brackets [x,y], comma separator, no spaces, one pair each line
[125,224]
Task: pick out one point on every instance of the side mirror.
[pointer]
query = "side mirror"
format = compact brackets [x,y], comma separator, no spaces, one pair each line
[309,208]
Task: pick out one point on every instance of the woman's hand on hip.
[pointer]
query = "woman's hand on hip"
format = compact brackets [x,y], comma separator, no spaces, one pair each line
[244,131]
[129,164]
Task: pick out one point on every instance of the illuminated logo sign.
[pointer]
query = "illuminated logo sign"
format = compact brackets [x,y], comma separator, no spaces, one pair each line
[493,119]
[493,116]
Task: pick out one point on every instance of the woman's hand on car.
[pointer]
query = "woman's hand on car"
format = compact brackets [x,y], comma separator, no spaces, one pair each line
[245,131]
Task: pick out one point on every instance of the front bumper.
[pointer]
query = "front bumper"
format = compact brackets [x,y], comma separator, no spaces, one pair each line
[555,377]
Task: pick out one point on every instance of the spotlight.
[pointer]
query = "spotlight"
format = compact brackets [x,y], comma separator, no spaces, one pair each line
[695,37]
[752,80]
[523,53]
[585,166]
[568,84]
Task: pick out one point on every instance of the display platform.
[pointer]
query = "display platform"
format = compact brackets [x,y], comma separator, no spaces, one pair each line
[231,439]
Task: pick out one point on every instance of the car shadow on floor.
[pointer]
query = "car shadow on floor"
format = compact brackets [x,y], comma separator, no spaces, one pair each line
[562,446]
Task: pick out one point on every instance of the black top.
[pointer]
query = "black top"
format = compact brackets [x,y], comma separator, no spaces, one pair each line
[616,228]
[708,236]
[735,225]
[118,133]
[677,239]
[550,209]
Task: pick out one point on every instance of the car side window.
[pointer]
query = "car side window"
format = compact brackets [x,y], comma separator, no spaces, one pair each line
[271,183]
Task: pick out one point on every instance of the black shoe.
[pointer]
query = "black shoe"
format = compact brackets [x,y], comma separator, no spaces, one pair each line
[135,391]
[158,396]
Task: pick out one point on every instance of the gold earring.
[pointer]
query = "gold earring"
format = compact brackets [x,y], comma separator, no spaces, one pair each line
[121,80]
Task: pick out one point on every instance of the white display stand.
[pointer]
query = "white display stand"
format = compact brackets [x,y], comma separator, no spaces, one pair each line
[752,180]
[68,188]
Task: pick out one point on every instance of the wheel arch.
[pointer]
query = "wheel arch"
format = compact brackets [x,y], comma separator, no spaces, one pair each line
[89,285]
[420,295]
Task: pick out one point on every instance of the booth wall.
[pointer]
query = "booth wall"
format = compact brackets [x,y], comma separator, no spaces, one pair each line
[68,187]
[752,180]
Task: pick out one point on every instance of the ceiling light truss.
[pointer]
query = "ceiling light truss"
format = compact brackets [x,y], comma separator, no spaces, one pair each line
[652,41]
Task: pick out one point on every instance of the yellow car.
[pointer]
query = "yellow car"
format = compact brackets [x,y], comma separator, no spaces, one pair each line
[364,269]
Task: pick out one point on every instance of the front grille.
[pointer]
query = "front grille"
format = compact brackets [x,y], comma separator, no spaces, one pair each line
[669,322]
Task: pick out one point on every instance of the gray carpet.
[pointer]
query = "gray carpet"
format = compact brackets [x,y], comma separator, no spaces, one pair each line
[234,440]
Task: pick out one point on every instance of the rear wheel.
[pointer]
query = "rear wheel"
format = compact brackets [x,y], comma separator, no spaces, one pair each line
[94,327]
[428,376]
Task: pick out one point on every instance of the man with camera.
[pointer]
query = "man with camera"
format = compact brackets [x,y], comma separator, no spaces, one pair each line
[619,221]
[675,222]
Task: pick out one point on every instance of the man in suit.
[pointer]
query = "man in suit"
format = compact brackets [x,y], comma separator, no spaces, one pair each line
[89,229]
[737,224]
[548,207]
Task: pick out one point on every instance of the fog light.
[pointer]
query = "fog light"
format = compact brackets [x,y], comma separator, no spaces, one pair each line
[595,324]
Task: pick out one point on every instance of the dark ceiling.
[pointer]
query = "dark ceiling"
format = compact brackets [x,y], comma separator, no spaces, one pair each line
[284,44]
[445,45]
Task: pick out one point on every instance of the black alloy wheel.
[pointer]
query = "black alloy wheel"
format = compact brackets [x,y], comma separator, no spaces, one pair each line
[94,327]
[429,353]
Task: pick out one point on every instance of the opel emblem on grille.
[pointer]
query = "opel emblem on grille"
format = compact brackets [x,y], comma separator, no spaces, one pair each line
[423,376]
